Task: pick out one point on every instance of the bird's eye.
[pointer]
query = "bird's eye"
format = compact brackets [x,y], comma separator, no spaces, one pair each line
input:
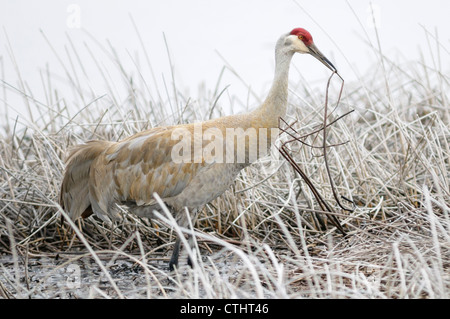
[300,37]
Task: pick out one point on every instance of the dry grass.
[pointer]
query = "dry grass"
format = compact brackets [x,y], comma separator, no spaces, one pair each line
[262,237]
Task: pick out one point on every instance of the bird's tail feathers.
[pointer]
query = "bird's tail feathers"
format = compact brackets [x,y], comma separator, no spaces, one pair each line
[74,195]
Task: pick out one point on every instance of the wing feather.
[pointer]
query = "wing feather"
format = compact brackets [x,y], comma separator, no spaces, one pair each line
[137,167]
[74,194]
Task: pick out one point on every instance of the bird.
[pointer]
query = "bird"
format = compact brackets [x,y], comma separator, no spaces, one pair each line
[102,176]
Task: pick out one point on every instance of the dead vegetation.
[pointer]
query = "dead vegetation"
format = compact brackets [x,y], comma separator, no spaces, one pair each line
[265,236]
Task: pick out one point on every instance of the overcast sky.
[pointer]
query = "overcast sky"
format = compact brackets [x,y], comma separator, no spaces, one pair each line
[198,32]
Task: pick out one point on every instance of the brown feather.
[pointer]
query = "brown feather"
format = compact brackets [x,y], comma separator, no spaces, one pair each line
[101,175]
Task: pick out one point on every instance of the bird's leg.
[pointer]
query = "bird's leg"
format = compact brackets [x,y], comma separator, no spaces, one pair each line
[191,244]
[175,253]
[182,221]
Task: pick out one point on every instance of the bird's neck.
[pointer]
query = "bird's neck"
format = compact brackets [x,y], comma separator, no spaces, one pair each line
[276,102]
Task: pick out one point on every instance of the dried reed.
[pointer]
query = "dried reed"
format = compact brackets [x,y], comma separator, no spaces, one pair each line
[262,238]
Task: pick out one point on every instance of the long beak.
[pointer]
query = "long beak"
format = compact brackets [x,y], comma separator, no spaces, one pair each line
[314,51]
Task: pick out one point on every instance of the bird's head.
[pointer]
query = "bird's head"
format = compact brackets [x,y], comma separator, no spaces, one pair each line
[299,40]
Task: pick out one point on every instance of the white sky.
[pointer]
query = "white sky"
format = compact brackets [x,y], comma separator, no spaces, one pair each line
[243,32]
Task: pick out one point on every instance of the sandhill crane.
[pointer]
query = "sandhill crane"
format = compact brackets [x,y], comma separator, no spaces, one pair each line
[100,175]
